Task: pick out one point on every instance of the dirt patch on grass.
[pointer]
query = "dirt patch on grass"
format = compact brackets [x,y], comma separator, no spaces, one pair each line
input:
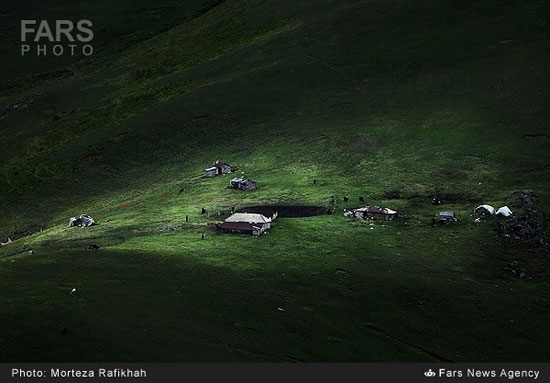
[285,211]
[127,204]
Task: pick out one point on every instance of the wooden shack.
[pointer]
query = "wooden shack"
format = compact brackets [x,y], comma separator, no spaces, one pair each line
[242,184]
[248,223]
[447,217]
[217,169]
[372,212]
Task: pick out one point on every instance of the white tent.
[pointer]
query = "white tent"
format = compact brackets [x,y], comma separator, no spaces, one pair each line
[490,210]
[84,220]
[505,211]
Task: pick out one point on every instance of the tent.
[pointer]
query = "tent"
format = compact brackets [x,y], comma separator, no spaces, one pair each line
[83,221]
[485,210]
[505,211]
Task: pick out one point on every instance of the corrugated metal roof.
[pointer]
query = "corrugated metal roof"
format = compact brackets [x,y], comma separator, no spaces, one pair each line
[248,218]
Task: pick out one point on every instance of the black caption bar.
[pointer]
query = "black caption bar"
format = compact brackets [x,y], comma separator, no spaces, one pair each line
[275,372]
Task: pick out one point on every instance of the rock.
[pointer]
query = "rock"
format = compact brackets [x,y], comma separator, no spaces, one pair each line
[527,226]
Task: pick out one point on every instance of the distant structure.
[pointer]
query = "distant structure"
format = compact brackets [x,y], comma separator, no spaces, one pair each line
[249,223]
[488,210]
[242,184]
[372,212]
[484,211]
[82,221]
[447,217]
[218,169]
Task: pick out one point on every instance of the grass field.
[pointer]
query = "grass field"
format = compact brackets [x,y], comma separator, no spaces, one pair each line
[394,101]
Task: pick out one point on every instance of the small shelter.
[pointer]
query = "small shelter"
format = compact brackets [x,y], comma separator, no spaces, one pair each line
[82,221]
[372,212]
[249,223]
[447,217]
[484,211]
[242,184]
[217,169]
[505,211]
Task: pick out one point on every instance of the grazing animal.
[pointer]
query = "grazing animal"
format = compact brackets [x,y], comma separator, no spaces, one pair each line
[361,199]
[202,236]
[93,247]
[346,199]
[186,218]
[181,191]
[314,182]
[203,210]
[73,291]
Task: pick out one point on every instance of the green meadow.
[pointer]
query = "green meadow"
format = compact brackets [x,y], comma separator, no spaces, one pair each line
[394,101]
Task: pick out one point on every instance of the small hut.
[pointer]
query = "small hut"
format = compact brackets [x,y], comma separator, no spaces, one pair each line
[217,169]
[446,217]
[82,221]
[484,211]
[248,223]
[242,184]
[372,212]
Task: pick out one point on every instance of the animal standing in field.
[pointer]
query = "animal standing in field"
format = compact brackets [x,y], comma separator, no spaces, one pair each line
[73,291]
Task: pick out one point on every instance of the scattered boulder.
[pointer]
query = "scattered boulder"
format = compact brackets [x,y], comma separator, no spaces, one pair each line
[527,226]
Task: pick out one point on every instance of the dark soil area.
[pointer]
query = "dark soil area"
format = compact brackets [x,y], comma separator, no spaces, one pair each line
[285,211]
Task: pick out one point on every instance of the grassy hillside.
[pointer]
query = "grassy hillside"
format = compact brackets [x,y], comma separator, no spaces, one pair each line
[393,101]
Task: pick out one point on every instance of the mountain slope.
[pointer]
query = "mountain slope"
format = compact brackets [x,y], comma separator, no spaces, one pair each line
[395,102]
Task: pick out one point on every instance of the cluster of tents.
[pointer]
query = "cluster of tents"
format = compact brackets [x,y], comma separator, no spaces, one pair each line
[488,210]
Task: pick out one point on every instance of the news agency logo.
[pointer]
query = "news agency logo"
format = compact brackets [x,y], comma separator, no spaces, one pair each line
[64,37]
[429,373]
